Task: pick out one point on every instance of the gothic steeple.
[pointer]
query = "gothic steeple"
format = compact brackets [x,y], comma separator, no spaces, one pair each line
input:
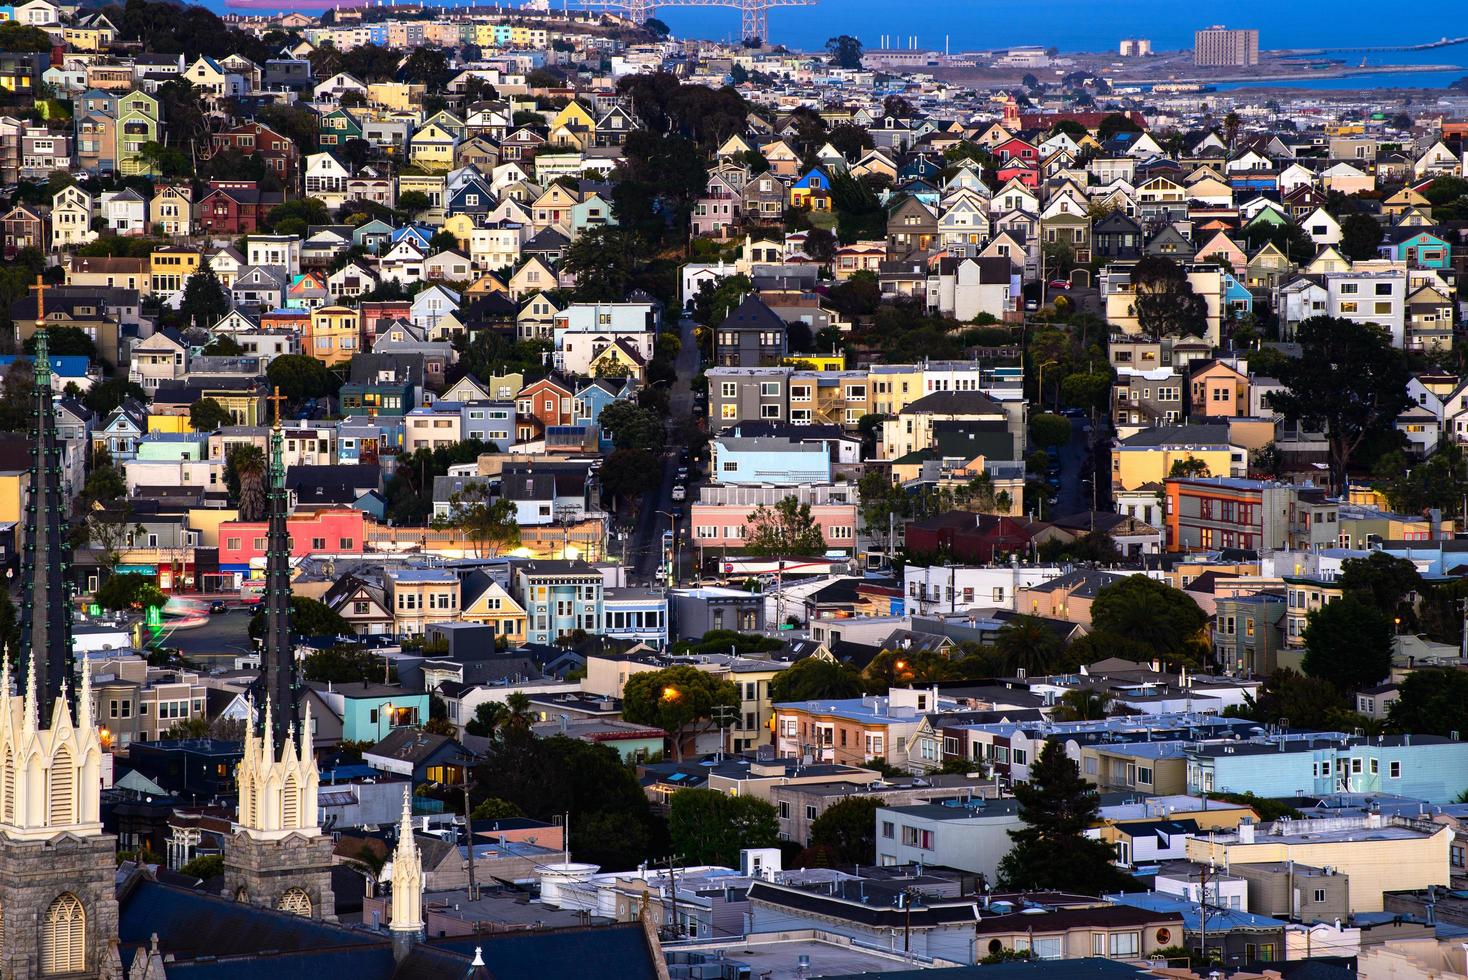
[277,662]
[45,609]
[406,924]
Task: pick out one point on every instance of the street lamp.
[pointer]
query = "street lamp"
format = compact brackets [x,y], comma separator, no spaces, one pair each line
[1040,385]
[384,712]
[673,531]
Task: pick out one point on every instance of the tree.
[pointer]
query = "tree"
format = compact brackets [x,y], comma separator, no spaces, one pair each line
[1304,702]
[427,65]
[680,700]
[1027,643]
[1349,380]
[1051,850]
[629,473]
[815,679]
[1191,467]
[706,826]
[204,301]
[715,300]
[129,591]
[1162,619]
[1115,123]
[845,51]
[204,868]
[786,529]
[1165,304]
[604,261]
[1348,643]
[413,202]
[223,345]
[64,341]
[207,415]
[1384,581]
[1050,430]
[489,521]
[245,471]
[632,427]
[1432,701]
[847,830]
[489,716]
[494,808]
[1361,235]
[1082,704]
[308,617]
[105,396]
[17,37]
[300,376]
[656,26]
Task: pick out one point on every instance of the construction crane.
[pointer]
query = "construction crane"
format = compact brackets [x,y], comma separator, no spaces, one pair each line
[754,14]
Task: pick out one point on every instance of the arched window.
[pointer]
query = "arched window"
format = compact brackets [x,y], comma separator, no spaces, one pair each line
[296,902]
[64,943]
[63,788]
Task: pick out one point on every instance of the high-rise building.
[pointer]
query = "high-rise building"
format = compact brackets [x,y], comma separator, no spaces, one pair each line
[57,880]
[1223,47]
[1136,47]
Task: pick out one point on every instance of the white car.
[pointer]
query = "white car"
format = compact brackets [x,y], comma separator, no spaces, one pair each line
[680,494]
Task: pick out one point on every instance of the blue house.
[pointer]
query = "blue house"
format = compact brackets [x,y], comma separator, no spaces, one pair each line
[1423,250]
[373,235]
[64,368]
[1425,767]
[422,234]
[770,460]
[473,196]
[596,395]
[1237,299]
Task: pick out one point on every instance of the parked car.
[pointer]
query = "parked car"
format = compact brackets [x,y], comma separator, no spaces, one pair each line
[1061,284]
[680,493]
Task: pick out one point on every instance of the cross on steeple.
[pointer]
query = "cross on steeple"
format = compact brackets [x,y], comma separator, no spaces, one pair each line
[275,400]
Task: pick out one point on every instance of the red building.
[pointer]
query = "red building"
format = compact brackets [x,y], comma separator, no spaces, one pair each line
[541,404]
[278,152]
[236,207]
[327,531]
[962,536]
[378,314]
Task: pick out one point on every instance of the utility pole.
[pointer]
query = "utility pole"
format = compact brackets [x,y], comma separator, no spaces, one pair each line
[723,714]
[469,835]
[1203,913]
[672,862]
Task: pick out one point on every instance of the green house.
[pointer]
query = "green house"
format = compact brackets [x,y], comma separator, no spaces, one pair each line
[337,127]
[138,123]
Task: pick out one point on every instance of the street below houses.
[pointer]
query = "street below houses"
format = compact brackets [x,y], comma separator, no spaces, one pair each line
[644,548]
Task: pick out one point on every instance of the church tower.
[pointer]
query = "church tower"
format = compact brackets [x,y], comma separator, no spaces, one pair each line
[58,907]
[406,922]
[277,857]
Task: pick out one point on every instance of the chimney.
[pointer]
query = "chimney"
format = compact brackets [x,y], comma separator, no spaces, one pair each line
[1246,831]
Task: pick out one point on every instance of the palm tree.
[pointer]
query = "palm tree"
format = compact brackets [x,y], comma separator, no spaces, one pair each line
[250,470]
[517,712]
[1082,704]
[1231,128]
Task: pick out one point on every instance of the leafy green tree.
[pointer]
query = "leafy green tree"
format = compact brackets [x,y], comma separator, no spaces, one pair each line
[815,679]
[204,868]
[489,521]
[633,427]
[1349,381]
[129,591]
[207,415]
[1384,581]
[1432,701]
[65,341]
[709,827]
[1166,305]
[1192,466]
[786,529]
[1051,850]
[605,262]
[414,202]
[680,700]
[845,51]
[1361,235]
[493,808]
[18,37]
[548,778]
[629,473]
[300,376]
[1082,704]
[1153,614]
[308,617]
[1114,123]
[1348,643]
[1028,643]
[847,830]
[427,65]
[223,345]
[716,300]
[1305,702]
[1049,430]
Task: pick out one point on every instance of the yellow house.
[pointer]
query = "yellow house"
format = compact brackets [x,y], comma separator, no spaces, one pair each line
[170,267]
[496,608]
[619,360]
[169,424]
[817,362]
[419,596]
[13,484]
[1140,459]
[96,38]
[894,386]
[574,115]
[333,335]
[432,148]
[1378,855]
[398,96]
[461,226]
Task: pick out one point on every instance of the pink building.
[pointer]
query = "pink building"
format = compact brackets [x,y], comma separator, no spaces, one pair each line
[725,525]
[328,531]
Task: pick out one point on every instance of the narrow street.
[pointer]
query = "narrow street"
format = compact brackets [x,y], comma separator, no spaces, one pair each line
[644,550]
